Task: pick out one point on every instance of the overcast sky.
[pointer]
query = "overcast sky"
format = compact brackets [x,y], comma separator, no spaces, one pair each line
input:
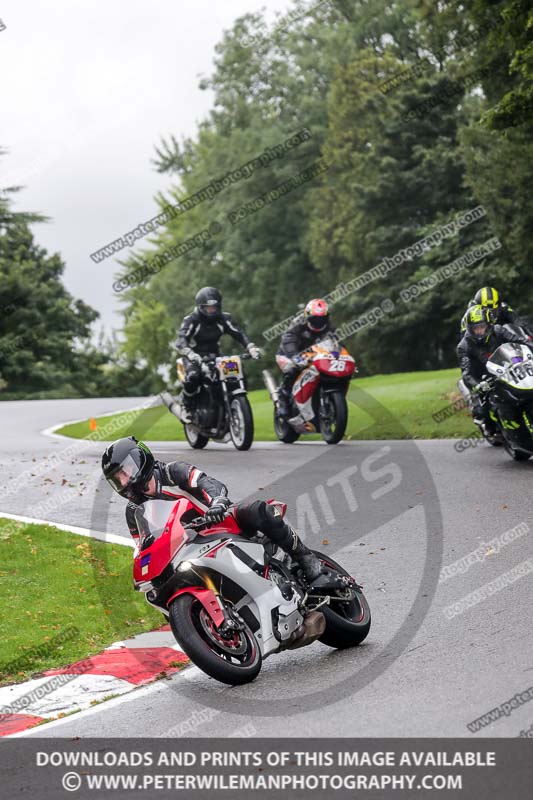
[87,90]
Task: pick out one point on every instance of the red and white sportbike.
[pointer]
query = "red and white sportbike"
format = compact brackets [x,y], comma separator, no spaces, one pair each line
[231,600]
[318,395]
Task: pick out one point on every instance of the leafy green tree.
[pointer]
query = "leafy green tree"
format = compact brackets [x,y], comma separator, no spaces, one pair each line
[394,174]
[44,332]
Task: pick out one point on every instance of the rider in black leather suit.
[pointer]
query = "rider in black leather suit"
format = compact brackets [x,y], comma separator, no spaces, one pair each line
[199,335]
[132,471]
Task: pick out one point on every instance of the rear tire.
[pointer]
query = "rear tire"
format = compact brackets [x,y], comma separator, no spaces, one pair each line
[241,423]
[350,624]
[196,440]
[194,631]
[333,427]
[283,430]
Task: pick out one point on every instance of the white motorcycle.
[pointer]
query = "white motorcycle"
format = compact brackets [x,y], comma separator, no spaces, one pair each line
[232,601]
[510,397]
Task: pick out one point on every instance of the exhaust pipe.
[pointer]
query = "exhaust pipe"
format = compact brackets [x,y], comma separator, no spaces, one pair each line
[270,384]
[465,392]
[313,627]
[172,404]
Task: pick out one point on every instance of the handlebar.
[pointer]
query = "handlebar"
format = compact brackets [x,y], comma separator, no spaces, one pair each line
[197,524]
[210,359]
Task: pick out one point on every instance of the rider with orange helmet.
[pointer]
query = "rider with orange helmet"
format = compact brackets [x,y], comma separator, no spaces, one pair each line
[307,329]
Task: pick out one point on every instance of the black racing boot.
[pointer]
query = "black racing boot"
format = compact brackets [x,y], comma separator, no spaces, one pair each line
[285,393]
[187,406]
[267,518]
[284,402]
[310,564]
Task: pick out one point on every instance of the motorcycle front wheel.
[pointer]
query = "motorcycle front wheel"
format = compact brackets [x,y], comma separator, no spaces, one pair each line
[241,423]
[234,659]
[516,455]
[333,416]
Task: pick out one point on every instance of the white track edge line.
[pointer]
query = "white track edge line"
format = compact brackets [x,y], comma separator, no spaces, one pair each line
[51,431]
[111,538]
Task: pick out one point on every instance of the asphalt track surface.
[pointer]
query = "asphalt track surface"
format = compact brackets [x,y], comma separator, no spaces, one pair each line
[394,513]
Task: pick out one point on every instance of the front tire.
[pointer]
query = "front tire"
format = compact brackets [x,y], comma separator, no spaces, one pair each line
[347,624]
[517,455]
[233,661]
[241,423]
[333,416]
[196,440]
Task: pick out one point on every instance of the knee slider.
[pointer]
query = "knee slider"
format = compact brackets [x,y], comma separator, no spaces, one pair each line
[272,520]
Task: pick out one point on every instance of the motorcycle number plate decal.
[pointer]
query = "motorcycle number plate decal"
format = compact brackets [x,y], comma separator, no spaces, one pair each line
[229,367]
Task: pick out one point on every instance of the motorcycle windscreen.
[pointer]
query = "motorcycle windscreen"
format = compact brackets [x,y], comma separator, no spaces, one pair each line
[505,356]
[152,517]
[329,343]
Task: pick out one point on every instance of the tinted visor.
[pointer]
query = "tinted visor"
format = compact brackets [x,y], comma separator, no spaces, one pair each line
[479,329]
[210,308]
[126,473]
[317,323]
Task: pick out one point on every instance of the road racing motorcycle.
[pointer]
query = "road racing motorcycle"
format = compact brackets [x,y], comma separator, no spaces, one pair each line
[510,377]
[318,402]
[221,408]
[233,600]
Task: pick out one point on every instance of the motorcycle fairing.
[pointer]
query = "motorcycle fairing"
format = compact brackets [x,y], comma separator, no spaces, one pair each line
[303,390]
[512,364]
[210,556]
[262,596]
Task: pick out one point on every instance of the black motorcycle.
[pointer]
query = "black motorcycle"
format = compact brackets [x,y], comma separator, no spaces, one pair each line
[221,409]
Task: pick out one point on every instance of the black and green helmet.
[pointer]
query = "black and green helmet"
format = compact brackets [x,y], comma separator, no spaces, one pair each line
[478,324]
[487,297]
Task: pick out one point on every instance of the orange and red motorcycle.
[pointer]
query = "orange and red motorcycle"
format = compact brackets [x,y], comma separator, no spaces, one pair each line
[318,402]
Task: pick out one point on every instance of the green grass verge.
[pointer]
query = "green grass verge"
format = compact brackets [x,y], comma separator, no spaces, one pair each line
[52,581]
[409,399]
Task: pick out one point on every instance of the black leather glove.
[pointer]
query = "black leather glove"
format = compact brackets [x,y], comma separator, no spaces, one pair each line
[194,358]
[217,510]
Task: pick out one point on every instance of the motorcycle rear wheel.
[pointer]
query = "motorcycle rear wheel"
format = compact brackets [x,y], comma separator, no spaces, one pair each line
[347,624]
[196,440]
[233,661]
[333,426]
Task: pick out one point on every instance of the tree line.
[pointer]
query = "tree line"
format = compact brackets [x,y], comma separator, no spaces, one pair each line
[417,113]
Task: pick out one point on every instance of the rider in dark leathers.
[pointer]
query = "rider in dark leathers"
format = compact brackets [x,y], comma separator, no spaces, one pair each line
[299,337]
[131,470]
[481,339]
[199,336]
